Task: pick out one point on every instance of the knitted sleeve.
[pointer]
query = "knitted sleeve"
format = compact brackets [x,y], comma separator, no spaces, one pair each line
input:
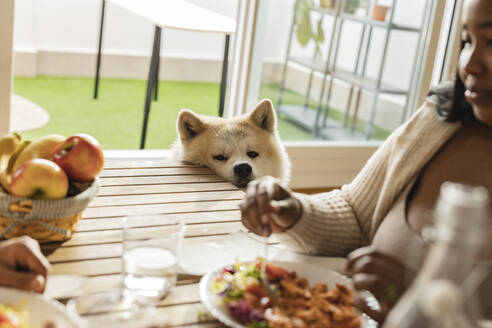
[342,220]
[329,224]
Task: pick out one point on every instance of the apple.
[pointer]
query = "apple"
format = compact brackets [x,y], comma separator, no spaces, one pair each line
[80,156]
[39,179]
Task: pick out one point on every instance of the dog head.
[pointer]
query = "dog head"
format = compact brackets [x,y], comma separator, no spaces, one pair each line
[240,149]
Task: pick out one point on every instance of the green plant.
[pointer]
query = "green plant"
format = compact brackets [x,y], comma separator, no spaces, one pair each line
[351,6]
[304,28]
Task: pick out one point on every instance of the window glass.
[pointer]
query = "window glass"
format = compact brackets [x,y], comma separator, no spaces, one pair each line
[342,70]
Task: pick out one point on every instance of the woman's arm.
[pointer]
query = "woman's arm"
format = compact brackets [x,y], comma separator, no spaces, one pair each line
[339,221]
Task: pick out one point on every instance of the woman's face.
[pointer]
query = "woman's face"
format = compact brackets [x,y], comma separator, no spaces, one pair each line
[475,64]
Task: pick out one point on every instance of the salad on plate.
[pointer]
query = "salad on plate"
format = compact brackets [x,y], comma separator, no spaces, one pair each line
[13,317]
[241,291]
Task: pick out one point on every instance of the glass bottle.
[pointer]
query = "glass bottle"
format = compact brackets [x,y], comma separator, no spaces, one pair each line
[442,295]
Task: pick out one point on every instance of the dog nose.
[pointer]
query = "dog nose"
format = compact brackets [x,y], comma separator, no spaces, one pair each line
[243,170]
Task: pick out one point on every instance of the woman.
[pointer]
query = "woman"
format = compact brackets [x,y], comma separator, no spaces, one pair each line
[448,139]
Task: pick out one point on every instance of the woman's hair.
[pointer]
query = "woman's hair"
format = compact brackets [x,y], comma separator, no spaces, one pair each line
[449,98]
[451,105]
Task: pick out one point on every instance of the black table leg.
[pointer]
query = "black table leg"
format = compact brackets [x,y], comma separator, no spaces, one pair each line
[223,81]
[150,83]
[156,90]
[98,63]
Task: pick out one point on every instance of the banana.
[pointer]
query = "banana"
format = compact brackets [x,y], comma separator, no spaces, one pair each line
[42,148]
[13,159]
[4,182]
[8,145]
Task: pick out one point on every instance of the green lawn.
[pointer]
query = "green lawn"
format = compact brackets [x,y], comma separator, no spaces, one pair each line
[115,119]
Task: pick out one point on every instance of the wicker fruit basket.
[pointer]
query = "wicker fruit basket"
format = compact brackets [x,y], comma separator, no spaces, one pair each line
[44,220]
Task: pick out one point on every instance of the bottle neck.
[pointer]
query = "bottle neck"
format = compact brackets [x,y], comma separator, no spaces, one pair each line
[451,261]
[460,232]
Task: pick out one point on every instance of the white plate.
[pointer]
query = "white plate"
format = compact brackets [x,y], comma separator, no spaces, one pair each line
[314,274]
[65,286]
[40,308]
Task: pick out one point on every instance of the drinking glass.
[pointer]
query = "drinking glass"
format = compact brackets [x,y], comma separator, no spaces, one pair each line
[150,256]
[151,246]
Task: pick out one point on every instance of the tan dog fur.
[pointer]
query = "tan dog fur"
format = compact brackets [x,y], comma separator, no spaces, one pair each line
[202,139]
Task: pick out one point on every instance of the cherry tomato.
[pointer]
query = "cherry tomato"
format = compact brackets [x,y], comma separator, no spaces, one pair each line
[275,272]
[256,290]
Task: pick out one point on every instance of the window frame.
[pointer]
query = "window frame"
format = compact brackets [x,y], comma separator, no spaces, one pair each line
[319,164]
[6,62]
[315,164]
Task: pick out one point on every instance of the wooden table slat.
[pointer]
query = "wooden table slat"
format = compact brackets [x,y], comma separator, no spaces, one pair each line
[88,268]
[188,218]
[112,211]
[167,171]
[180,294]
[105,283]
[126,181]
[165,188]
[166,198]
[143,163]
[170,316]
[107,244]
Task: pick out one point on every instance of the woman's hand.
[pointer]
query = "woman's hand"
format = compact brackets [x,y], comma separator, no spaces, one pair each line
[379,273]
[269,207]
[22,265]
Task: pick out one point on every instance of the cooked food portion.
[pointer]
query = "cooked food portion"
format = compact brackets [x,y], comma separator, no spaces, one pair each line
[299,305]
[316,307]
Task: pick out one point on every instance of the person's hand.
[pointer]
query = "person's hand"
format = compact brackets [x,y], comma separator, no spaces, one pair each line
[269,207]
[381,274]
[22,265]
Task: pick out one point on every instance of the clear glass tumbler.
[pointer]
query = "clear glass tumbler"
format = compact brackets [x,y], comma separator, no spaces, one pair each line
[151,250]
[151,247]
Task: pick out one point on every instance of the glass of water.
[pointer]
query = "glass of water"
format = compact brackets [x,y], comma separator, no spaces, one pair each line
[151,247]
[151,250]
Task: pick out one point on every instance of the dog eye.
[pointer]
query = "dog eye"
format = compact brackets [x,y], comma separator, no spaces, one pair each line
[220,158]
[252,154]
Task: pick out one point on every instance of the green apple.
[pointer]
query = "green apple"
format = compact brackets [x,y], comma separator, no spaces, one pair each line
[39,179]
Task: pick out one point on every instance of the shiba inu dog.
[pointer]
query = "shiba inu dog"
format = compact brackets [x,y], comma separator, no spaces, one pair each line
[239,149]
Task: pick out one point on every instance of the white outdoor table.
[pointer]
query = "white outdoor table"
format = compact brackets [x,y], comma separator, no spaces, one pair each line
[171,14]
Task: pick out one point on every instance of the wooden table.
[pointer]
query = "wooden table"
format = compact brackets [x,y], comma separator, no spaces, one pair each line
[192,194]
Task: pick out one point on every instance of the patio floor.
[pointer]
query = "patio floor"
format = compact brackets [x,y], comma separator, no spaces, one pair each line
[26,115]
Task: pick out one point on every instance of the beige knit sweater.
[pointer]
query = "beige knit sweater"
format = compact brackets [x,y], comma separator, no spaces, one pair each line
[340,221]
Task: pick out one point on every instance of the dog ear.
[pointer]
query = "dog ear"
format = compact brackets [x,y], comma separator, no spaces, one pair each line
[264,115]
[189,124]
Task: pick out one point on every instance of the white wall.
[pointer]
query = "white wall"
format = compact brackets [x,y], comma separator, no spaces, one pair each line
[46,28]
[72,25]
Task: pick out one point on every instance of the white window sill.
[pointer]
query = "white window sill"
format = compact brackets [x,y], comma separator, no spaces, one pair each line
[318,164]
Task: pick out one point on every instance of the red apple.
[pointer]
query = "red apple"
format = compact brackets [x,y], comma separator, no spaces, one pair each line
[80,156]
[39,179]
